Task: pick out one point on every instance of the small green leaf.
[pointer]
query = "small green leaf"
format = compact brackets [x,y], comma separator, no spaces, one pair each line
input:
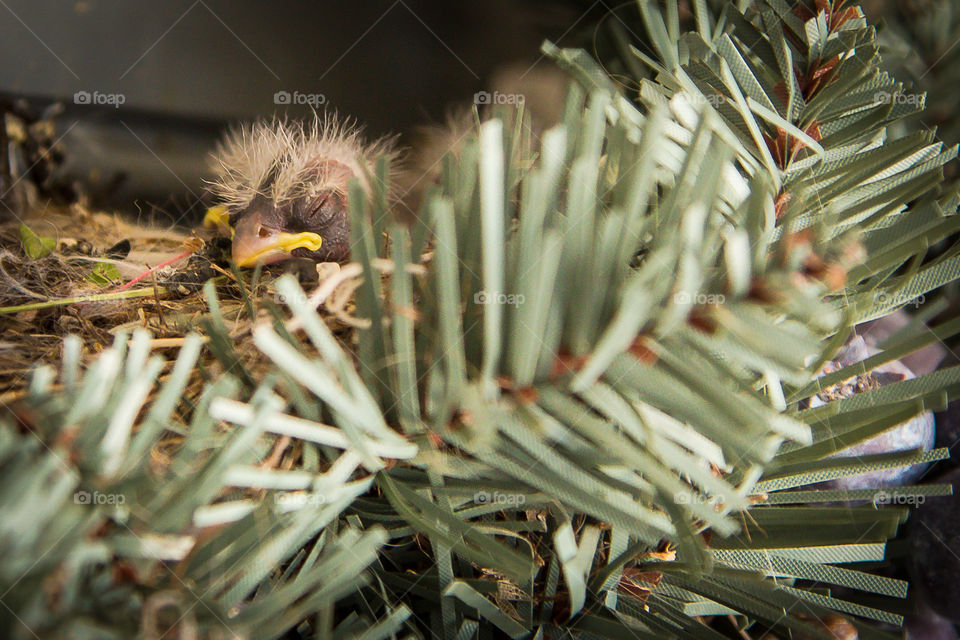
[33,245]
[104,274]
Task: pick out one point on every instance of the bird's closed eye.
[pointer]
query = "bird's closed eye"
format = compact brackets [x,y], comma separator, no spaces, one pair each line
[323,208]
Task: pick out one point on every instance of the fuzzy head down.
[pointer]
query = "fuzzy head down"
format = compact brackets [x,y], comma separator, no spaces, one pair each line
[279,178]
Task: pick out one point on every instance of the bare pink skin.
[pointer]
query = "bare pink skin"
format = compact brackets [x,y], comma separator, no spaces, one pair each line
[261,228]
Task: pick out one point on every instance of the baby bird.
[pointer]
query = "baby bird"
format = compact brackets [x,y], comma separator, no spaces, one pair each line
[285,183]
[285,187]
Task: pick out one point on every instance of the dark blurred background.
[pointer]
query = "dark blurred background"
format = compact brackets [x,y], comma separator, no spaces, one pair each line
[147,87]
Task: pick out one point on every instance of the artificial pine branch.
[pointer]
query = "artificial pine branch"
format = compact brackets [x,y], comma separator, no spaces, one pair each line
[579,410]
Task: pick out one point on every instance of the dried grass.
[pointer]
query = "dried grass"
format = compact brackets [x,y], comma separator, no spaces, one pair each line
[169,302]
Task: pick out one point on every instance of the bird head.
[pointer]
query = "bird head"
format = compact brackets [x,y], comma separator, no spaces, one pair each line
[286,187]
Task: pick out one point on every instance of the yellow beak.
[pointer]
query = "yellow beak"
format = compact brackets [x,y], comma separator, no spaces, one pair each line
[217,217]
[255,243]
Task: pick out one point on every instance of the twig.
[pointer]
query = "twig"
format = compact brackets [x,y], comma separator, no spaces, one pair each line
[156,297]
[742,632]
[16,285]
[185,254]
[348,272]
[169,343]
[279,448]
[99,297]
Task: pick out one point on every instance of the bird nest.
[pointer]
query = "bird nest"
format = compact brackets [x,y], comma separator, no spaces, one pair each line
[95,274]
